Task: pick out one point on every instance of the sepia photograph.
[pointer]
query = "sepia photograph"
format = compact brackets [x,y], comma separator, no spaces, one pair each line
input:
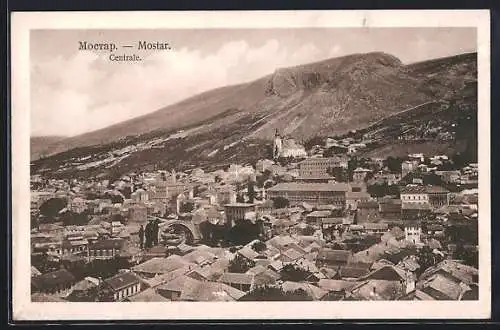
[295,160]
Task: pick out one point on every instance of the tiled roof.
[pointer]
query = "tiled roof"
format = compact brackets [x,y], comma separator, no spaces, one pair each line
[211,291]
[53,279]
[148,295]
[377,290]
[353,272]
[413,189]
[236,278]
[450,289]
[160,265]
[335,285]
[375,226]
[387,273]
[121,281]
[313,291]
[107,244]
[334,255]
[248,253]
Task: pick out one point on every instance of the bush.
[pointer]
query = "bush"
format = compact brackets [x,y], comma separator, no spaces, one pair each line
[51,207]
[296,274]
[240,264]
[259,246]
[280,202]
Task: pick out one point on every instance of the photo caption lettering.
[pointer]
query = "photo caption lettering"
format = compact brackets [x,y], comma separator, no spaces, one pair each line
[113,48]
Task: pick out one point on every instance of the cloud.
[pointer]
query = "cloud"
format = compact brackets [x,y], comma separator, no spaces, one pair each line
[86,92]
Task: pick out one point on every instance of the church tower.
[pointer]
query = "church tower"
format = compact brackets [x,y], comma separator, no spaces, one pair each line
[277,145]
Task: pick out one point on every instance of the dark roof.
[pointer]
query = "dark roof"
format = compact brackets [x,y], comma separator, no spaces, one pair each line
[413,189]
[107,244]
[387,273]
[53,279]
[121,281]
[334,255]
[353,271]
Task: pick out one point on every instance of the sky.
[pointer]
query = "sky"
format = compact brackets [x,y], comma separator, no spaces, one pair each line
[74,91]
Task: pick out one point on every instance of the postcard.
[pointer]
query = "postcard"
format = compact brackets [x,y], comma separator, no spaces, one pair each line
[251,165]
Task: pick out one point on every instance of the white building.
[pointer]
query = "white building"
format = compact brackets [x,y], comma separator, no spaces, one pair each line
[413,234]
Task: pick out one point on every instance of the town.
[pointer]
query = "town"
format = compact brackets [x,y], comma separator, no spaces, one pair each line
[315,223]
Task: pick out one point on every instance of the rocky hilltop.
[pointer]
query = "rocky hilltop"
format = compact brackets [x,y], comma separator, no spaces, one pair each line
[325,98]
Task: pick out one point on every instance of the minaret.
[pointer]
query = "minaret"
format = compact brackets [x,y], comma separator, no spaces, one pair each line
[277,145]
[174,176]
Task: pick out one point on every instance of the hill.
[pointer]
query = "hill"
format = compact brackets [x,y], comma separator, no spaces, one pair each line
[364,92]
[39,144]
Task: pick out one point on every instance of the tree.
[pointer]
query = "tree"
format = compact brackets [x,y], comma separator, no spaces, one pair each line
[308,230]
[118,217]
[106,268]
[426,258]
[126,191]
[251,191]
[393,164]
[115,197]
[272,293]
[240,264]
[316,140]
[280,202]
[468,256]
[296,274]
[77,219]
[104,293]
[433,179]
[243,232]
[186,207]
[341,174]
[259,246]
[51,207]
[240,199]
[261,179]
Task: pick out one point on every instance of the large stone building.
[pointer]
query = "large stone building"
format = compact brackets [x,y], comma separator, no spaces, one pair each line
[167,190]
[414,194]
[312,193]
[317,168]
[236,212]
